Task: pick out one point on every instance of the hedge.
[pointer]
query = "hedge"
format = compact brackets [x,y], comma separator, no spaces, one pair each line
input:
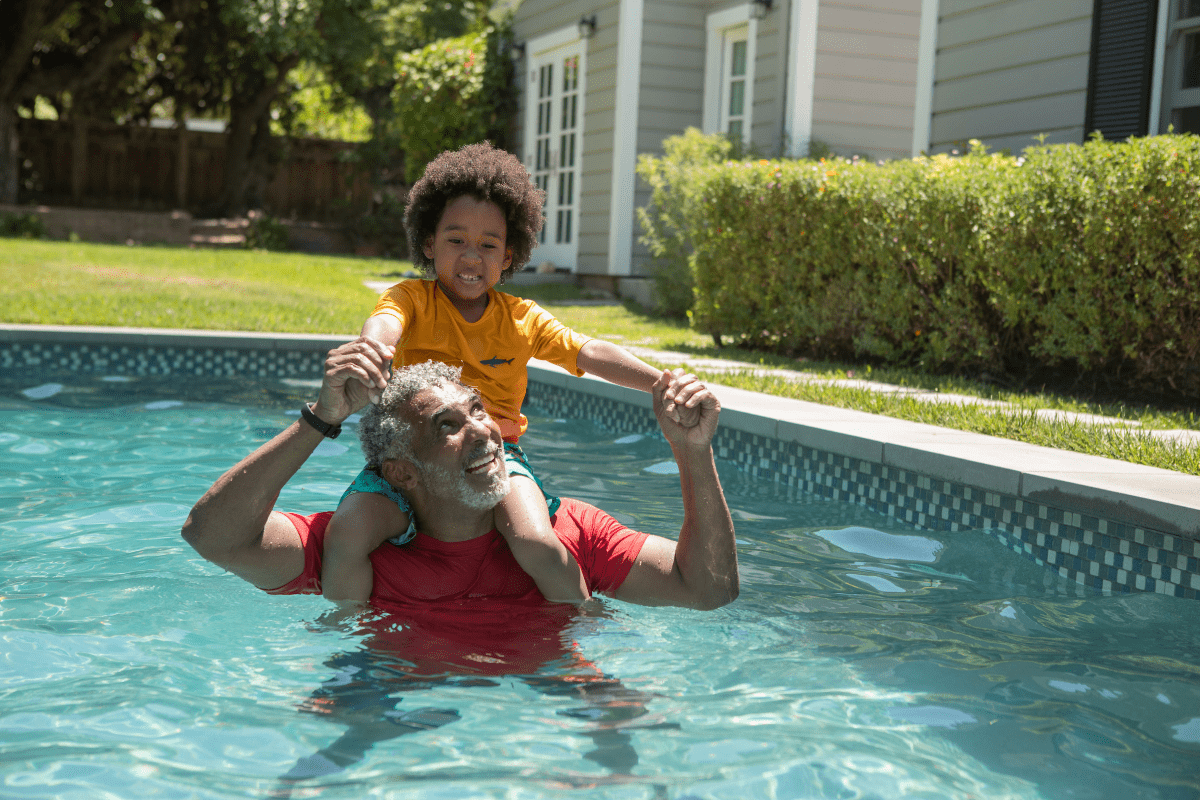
[1070,258]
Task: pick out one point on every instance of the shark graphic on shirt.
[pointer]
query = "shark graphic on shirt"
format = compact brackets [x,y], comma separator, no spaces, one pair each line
[495,362]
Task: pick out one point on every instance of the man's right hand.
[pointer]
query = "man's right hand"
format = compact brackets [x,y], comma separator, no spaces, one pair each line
[696,407]
[355,374]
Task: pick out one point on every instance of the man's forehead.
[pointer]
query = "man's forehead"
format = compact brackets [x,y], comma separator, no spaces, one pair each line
[439,396]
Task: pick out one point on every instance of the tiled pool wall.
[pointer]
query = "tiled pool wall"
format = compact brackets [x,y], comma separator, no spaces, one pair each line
[1091,553]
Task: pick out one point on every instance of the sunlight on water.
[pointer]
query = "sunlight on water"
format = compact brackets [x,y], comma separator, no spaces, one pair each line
[863,659]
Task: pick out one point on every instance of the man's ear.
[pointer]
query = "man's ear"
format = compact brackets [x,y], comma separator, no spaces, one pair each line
[399,472]
[428,247]
[507,258]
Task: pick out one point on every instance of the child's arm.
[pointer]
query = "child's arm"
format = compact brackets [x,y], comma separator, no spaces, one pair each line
[617,365]
[524,522]
[384,327]
[361,523]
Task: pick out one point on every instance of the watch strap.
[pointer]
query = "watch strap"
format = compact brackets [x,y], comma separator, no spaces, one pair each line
[324,428]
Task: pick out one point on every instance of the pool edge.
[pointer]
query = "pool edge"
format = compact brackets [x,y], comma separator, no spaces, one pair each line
[1103,524]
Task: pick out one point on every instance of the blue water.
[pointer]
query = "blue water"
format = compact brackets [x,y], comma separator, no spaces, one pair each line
[863,660]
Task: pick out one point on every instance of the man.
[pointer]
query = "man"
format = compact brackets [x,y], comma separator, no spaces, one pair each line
[468,609]
[446,463]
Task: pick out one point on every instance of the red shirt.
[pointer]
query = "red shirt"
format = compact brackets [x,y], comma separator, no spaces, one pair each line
[468,607]
[427,570]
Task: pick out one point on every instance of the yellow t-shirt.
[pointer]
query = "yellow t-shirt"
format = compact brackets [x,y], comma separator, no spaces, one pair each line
[492,352]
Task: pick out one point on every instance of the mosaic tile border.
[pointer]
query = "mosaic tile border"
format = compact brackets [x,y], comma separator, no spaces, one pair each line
[1093,553]
[164,360]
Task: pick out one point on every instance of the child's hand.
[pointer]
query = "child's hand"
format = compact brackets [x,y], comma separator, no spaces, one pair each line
[695,406]
[678,411]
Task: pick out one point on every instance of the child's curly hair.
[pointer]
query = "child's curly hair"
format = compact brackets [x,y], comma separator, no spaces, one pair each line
[485,173]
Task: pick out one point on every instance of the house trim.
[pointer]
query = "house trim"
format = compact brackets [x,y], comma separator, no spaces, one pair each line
[926,62]
[549,41]
[1160,56]
[802,59]
[625,136]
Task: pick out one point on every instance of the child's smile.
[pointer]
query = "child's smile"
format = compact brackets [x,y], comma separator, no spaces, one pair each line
[469,253]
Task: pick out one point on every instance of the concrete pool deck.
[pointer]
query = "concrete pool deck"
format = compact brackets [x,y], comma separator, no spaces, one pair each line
[1158,498]
[1104,524]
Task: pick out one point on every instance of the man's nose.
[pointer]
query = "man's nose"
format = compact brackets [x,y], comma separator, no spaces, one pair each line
[479,428]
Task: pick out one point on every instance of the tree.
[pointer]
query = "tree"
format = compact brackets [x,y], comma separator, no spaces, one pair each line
[60,50]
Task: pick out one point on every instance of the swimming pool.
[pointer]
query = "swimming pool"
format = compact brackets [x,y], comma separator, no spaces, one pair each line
[863,659]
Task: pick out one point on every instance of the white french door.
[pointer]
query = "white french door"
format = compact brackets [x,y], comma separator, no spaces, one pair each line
[553,147]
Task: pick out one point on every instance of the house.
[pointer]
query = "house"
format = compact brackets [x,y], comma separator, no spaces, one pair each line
[604,80]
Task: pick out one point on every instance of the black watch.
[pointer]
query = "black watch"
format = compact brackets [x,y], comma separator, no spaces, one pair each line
[323,427]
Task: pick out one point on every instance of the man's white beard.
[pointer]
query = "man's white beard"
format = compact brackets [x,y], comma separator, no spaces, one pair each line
[443,482]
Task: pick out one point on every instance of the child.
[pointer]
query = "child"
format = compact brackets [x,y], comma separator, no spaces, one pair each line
[472,220]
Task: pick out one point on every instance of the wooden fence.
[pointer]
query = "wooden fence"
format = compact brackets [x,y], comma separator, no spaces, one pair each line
[144,168]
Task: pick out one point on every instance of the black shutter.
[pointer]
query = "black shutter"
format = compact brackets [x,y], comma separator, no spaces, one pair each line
[1121,67]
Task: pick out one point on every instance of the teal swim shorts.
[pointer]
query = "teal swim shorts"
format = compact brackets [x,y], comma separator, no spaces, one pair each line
[370,482]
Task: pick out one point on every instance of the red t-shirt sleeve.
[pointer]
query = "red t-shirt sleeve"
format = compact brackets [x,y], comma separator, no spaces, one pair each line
[605,549]
[312,536]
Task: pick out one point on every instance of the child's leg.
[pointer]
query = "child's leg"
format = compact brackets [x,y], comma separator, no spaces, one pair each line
[524,521]
[365,519]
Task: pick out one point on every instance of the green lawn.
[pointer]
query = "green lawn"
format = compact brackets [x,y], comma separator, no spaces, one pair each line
[63,283]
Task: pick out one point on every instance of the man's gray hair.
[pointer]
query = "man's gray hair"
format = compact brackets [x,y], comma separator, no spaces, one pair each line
[386,430]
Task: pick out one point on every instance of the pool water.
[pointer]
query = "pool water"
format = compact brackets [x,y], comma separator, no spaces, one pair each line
[864,659]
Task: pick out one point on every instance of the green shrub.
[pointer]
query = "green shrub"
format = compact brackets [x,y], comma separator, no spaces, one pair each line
[664,223]
[266,233]
[452,93]
[1101,260]
[1076,258]
[382,226]
[22,226]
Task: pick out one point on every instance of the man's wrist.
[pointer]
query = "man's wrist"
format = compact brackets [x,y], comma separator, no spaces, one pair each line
[318,419]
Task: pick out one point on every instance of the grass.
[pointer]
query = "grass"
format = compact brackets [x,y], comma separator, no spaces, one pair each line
[61,283]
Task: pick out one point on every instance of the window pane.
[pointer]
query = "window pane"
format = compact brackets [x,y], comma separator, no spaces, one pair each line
[738,62]
[1191,61]
[737,98]
[1186,120]
[735,130]
[1189,8]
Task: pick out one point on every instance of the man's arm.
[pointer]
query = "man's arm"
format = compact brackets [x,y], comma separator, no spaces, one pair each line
[233,525]
[700,570]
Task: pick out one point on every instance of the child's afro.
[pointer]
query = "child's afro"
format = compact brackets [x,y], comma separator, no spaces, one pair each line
[485,173]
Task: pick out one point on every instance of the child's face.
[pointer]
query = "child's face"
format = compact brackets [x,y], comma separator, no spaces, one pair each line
[469,249]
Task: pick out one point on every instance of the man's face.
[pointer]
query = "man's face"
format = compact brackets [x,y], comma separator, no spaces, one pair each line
[460,455]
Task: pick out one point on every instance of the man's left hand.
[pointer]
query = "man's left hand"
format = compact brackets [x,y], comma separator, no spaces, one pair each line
[356,373]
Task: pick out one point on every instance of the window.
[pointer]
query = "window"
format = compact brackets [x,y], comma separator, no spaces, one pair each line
[1181,73]
[734,110]
[729,73]
[554,121]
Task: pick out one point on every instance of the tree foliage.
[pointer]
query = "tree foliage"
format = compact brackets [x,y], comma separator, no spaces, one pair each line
[125,60]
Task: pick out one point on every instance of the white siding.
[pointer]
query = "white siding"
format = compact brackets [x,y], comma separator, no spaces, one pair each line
[1009,71]
[864,87]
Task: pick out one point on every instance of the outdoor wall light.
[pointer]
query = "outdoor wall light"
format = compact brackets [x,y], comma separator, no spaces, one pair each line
[759,8]
[518,50]
[587,26]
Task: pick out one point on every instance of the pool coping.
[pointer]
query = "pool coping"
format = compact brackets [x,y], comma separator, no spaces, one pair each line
[916,471]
